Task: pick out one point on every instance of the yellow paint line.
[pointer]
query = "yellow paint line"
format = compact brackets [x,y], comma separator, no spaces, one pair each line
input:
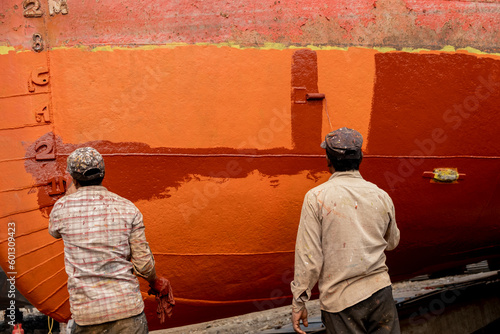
[266,46]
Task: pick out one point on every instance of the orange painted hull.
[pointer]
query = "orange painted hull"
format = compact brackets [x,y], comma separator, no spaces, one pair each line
[218,144]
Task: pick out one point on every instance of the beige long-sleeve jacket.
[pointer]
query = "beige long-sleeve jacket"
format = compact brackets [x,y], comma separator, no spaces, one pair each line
[345,226]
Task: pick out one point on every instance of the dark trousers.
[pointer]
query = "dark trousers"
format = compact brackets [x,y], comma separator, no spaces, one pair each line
[377,314]
[133,325]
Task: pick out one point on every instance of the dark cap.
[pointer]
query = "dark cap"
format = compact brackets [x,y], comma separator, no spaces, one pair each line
[85,164]
[344,143]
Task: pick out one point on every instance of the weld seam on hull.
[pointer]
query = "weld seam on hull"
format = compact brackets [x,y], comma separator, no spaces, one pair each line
[38,248]
[24,126]
[16,159]
[39,265]
[23,188]
[20,95]
[291,155]
[45,280]
[434,156]
[185,155]
[54,292]
[225,302]
[59,306]
[224,254]
[24,211]
[24,234]
[208,155]
[475,249]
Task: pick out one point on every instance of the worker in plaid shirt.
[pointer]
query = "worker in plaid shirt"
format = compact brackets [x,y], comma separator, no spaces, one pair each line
[104,246]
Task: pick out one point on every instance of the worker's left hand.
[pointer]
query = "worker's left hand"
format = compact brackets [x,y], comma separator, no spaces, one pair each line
[296,317]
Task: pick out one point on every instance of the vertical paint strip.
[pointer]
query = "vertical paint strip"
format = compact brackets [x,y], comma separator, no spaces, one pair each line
[306,116]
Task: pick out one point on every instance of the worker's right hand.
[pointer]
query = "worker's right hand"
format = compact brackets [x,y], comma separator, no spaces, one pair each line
[296,317]
[164,296]
[160,286]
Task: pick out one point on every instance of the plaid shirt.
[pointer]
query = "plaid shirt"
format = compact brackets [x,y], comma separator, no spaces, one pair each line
[104,244]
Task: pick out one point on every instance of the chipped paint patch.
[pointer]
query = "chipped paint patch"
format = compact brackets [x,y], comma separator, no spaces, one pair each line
[268,24]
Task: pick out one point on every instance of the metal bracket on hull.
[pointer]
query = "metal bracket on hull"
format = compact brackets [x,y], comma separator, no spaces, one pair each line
[444,175]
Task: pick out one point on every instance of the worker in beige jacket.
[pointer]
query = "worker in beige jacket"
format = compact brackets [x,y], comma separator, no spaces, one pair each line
[345,226]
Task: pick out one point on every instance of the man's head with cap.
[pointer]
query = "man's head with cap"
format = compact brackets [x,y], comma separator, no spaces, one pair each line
[86,166]
[343,149]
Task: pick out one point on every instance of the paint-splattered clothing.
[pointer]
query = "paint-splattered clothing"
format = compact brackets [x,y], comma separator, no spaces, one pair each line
[376,314]
[134,325]
[104,244]
[346,225]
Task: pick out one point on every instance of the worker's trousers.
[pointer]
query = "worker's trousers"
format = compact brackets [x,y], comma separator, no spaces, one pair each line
[377,314]
[133,325]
